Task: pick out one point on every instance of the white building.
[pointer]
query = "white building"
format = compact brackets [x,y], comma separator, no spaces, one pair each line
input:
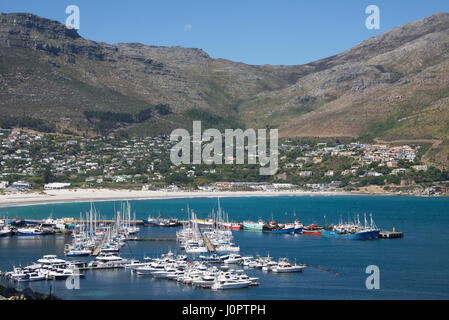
[283,186]
[21,184]
[305,173]
[56,185]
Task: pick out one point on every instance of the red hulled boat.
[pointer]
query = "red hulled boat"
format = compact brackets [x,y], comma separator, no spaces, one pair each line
[312,230]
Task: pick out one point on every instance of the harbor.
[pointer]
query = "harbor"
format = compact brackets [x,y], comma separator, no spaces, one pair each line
[104,241]
[322,261]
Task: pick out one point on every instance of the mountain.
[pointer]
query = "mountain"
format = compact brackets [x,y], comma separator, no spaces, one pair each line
[393,86]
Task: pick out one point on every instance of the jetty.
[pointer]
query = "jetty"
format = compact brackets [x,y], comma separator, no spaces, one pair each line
[100,245]
[390,234]
[210,247]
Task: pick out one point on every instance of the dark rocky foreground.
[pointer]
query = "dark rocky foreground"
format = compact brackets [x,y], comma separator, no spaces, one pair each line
[10,293]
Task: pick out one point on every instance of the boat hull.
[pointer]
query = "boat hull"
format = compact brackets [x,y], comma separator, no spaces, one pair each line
[286,230]
[364,235]
[298,229]
[228,286]
[159,223]
[5,234]
[311,232]
[252,226]
[24,233]
[232,226]
[78,254]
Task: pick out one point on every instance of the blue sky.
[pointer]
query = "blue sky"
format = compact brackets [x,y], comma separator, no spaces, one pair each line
[282,32]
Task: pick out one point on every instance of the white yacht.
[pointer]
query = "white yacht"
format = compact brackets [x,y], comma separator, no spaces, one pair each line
[51,259]
[78,252]
[227,248]
[229,283]
[233,259]
[284,266]
[108,261]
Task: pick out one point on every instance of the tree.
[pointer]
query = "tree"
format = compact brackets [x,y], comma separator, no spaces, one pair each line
[48,175]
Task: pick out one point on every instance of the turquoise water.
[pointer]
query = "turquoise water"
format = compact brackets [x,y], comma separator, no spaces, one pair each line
[415,267]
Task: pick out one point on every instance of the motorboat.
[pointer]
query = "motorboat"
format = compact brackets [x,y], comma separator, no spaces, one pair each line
[229,283]
[35,231]
[233,259]
[78,252]
[5,232]
[227,248]
[283,266]
[108,261]
[51,259]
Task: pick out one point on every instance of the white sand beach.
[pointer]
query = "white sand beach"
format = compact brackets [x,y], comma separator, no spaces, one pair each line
[84,195]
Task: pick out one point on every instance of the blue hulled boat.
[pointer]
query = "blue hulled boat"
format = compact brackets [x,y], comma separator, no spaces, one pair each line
[274,227]
[352,231]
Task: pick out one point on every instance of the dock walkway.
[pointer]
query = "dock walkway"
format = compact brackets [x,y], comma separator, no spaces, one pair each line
[98,248]
[390,234]
[210,247]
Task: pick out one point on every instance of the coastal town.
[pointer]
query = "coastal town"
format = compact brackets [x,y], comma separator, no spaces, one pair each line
[33,161]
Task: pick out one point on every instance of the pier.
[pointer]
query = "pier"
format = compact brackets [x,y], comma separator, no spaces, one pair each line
[97,249]
[390,234]
[210,247]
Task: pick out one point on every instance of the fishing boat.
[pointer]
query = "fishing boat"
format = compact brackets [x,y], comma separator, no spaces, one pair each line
[254,226]
[312,230]
[298,226]
[232,225]
[34,231]
[275,227]
[161,222]
[352,230]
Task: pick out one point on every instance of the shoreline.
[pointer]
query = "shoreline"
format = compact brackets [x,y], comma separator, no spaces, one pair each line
[100,195]
[87,195]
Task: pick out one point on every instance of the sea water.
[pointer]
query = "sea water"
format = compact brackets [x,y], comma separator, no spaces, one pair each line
[414,267]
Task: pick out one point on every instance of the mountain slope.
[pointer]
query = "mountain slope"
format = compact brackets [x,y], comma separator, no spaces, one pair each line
[391,86]
[394,86]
